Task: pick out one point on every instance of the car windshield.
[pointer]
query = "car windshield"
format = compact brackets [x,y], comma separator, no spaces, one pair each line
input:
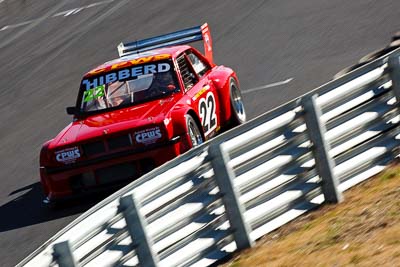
[126,87]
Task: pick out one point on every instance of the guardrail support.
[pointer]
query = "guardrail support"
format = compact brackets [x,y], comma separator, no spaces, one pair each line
[323,162]
[224,176]
[63,255]
[394,74]
[136,225]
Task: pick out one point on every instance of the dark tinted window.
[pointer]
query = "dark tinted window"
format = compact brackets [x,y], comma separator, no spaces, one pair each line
[188,76]
[199,66]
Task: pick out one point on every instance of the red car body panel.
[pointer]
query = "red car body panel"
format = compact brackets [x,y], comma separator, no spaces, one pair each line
[100,150]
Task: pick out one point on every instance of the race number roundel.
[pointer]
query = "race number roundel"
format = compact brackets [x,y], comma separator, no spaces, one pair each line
[207,113]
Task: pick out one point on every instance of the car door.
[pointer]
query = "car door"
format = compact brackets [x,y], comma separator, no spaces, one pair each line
[201,91]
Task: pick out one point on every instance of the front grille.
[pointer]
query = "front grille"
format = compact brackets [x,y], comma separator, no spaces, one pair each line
[94,148]
[117,173]
[119,142]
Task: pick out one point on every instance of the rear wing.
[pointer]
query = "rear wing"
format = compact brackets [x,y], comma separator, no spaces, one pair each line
[175,38]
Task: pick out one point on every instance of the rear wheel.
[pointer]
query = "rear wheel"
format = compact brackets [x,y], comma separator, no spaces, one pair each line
[238,113]
[196,138]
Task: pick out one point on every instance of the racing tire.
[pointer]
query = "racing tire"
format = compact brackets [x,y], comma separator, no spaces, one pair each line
[396,36]
[376,54]
[395,44]
[238,112]
[195,135]
[348,69]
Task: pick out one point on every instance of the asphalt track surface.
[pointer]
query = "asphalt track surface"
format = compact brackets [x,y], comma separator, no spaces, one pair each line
[45,47]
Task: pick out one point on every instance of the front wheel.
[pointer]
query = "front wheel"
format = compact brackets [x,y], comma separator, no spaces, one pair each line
[238,113]
[194,132]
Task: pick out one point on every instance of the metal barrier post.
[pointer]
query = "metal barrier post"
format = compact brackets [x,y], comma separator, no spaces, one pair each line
[394,73]
[224,176]
[136,225]
[323,162]
[63,255]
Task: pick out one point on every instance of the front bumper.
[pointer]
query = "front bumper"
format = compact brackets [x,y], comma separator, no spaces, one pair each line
[106,173]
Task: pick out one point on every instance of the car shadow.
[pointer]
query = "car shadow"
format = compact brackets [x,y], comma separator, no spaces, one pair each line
[27,208]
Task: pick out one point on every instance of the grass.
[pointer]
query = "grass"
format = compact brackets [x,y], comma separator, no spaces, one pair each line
[364,230]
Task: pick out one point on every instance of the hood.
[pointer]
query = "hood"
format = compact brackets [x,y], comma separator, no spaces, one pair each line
[108,123]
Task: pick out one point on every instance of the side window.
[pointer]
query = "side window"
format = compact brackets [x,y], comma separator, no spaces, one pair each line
[188,76]
[199,66]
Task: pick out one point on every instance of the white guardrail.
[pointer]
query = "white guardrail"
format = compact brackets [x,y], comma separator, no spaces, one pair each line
[225,194]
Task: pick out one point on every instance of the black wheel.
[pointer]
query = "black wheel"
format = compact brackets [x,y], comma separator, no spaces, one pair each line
[237,107]
[376,54]
[348,69]
[395,44]
[371,56]
[396,36]
[193,130]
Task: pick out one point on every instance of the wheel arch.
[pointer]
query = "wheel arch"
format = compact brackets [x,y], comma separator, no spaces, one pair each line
[221,77]
[196,118]
[179,118]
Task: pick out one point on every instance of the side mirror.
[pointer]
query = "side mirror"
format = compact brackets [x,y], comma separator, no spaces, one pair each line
[72,111]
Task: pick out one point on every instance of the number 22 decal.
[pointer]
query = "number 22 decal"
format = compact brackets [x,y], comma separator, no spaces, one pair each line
[207,113]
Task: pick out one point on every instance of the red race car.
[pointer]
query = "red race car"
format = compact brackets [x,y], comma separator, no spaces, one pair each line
[134,113]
